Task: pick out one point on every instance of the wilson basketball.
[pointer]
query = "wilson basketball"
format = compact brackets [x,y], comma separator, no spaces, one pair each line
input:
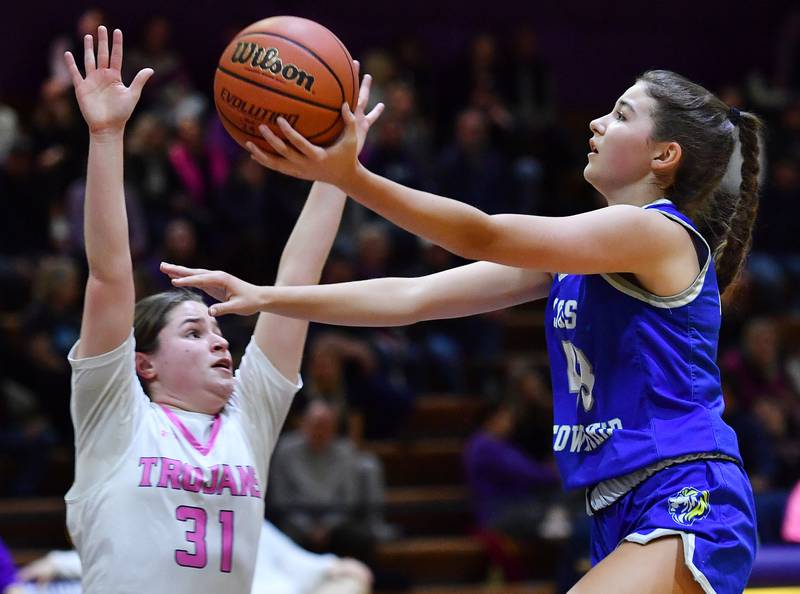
[284,66]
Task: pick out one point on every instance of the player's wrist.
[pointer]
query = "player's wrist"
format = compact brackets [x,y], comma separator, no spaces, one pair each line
[106,134]
[354,180]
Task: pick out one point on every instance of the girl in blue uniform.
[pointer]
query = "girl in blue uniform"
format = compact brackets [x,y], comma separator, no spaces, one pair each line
[633,317]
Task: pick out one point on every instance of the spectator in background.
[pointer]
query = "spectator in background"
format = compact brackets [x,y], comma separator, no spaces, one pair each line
[402,103]
[149,171]
[373,250]
[179,244]
[170,81]
[25,232]
[471,170]
[26,441]
[52,325]
[529,390]
[245,215]
[478,78]
[757,366]
[87,23]
[201,167]
[9,130]
[775,265]
[75,198]
[761,458]
[758,450]
[59,140]
[346,372]
[510,491]
[327,495]
[8,574]
[441,352]
[415,69]
[381,65]
[528,84]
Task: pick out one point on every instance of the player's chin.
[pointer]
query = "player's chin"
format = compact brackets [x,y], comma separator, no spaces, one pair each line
[589,174]
[223,390]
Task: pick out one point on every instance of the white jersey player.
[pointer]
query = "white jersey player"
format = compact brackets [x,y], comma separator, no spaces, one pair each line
[172,446]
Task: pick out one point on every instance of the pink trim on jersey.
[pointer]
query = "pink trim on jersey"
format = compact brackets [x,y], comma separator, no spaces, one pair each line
[203,449]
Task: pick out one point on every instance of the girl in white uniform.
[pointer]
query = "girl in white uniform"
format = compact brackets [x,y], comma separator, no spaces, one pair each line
[172,446]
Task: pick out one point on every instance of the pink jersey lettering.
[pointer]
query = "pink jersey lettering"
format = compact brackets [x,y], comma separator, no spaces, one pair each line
[148,464]
[210,487]
[170,473]
[192,478]
[227,481]
[249,481]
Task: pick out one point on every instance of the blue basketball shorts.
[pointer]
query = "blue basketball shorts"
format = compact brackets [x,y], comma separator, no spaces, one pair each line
[708,503]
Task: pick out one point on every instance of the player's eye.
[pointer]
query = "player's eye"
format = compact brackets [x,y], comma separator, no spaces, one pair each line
[618,115]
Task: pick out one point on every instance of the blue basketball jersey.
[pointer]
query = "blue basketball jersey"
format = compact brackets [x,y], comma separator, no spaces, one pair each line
[635,379]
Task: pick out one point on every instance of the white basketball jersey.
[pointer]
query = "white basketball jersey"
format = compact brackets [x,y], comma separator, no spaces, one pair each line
[169,501]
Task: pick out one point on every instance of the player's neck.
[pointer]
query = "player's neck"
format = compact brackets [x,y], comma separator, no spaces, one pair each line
[172,401]
[635,194]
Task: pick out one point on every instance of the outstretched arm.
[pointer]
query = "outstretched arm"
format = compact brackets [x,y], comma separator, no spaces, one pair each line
[621,238]
[106,105]
[471,289]
[282,339]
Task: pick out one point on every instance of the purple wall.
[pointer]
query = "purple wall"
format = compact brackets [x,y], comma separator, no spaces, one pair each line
[596,48]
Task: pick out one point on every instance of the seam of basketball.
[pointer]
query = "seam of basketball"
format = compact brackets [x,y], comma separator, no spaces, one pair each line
[277,91]
[310,51]
[243,131]
[352,72]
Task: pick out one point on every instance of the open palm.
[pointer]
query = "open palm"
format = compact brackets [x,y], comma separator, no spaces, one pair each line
[300,158]
[105,102]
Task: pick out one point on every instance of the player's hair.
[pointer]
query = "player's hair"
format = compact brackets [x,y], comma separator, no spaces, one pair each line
[707,131]
[150,316]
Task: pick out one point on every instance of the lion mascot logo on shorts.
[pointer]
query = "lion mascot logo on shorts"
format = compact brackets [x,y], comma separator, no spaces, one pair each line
[688,506]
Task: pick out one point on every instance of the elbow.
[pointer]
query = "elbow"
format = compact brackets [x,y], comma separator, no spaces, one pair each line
[475,240]
[409,303]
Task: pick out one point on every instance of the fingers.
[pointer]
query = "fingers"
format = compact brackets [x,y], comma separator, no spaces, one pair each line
[116,51]
[88,54]
[275,142]
[72,68]
[174,271]
[347,114]
[102,47]
[363,94]
[265,159]
[298,141]
[224,308]
[140,79]
[207,281]
[374,114]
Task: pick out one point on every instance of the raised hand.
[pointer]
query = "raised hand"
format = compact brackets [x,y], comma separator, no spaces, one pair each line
[106,103]
[235,295]
[300,158]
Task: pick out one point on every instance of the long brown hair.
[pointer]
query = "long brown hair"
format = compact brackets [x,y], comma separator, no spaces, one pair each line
[707,131]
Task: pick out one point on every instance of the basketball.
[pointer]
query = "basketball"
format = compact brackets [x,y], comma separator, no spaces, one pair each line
[284,66]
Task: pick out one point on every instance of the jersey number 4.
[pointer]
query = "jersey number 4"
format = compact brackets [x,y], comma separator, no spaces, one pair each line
[579,373]
[197,537]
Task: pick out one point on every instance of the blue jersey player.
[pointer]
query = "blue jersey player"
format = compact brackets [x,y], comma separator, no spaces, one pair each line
[633,316]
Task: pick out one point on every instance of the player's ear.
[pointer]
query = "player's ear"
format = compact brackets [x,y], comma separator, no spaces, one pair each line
[666,158]
[144,367]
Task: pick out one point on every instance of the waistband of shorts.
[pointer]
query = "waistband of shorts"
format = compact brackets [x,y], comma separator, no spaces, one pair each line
[608,492]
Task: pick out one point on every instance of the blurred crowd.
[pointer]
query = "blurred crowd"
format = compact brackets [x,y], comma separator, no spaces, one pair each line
[486,130]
